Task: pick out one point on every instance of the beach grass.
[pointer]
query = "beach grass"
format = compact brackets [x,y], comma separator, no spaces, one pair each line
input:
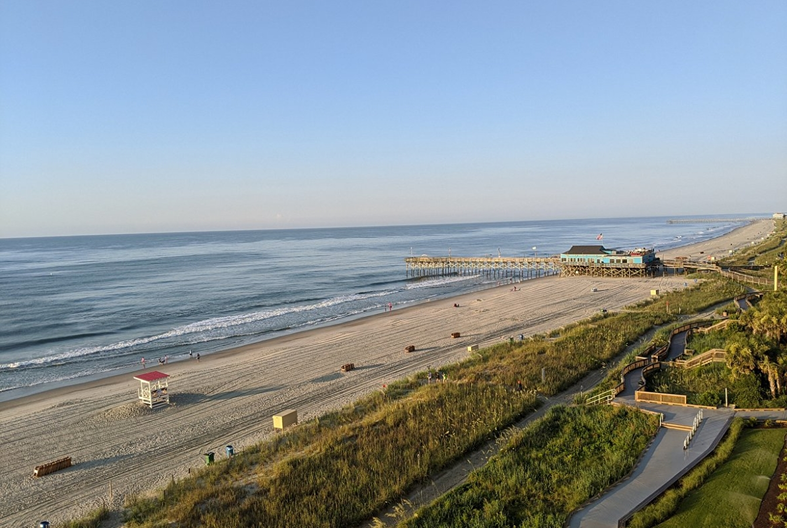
[92,520]
[546,470]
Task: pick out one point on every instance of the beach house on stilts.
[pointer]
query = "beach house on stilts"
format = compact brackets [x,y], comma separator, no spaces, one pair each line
[153,388]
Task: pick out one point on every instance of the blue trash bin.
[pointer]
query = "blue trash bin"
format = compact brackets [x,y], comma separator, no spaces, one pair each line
[230,451]
[43,524]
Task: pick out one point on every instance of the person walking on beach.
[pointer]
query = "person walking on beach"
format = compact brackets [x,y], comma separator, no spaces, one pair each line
[390,307]
[143,363]
[197,356]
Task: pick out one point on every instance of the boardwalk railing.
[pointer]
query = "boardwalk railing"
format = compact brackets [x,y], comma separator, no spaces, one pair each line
[714,355]
[742,277]
[660,397]
[711,266]
[601,398]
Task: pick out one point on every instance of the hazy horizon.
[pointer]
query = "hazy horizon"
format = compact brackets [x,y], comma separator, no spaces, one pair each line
[722,217]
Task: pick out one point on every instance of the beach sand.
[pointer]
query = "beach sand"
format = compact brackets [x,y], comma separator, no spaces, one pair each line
[722,246]
[229,398]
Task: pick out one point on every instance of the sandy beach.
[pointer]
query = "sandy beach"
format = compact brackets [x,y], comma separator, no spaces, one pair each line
[230,397]
[722,246]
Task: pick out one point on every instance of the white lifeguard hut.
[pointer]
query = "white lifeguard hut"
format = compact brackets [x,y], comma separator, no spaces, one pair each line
[153,388]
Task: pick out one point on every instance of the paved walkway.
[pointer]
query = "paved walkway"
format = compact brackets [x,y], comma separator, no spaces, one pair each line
[664,462]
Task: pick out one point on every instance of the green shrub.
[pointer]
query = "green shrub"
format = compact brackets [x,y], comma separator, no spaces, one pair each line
[709,398]
[746,391]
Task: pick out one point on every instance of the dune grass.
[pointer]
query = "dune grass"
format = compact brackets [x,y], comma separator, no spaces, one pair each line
[91,520]
[546,470]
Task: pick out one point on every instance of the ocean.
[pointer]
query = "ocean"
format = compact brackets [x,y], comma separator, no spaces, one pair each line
[76,308]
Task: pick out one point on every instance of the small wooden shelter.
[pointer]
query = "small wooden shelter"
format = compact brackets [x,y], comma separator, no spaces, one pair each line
[153,388]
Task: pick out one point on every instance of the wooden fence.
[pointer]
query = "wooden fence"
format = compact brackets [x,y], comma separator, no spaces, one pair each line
[742,277]
[660,397]
[714,355]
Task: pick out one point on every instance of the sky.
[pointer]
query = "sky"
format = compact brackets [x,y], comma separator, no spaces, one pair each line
[163,116]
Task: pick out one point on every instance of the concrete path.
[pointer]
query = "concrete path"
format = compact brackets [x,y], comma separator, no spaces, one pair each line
[664,462]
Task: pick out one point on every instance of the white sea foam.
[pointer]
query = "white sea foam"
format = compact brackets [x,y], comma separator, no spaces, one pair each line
[201,331]
[442,281]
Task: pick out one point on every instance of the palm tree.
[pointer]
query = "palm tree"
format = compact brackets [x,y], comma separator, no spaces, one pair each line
[769,368]
[769,317]
[740,357]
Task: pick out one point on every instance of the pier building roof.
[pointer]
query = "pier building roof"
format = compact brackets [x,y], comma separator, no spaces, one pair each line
[588,250]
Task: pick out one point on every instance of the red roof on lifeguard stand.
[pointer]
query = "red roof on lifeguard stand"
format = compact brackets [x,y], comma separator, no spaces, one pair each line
[153,375]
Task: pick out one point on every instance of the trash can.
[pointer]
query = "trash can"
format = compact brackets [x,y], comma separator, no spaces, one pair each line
[230,451]
[43,524]
[209,458]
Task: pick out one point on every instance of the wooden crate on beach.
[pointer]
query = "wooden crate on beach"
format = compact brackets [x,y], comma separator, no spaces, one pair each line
[409,348]
[347,367]
[456,334]
[51,467]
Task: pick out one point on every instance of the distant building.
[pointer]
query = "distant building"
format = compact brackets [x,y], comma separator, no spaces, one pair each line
[778,216]
[602,262]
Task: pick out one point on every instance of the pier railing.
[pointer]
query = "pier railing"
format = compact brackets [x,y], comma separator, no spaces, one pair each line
[524,267]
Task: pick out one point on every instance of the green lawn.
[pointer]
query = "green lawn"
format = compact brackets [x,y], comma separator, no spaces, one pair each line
[731,496]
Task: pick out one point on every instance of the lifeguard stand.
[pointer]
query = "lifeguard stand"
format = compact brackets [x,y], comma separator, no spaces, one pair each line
[153,388]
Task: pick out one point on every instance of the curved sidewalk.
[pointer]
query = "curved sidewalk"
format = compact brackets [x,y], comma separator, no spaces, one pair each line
[665,460]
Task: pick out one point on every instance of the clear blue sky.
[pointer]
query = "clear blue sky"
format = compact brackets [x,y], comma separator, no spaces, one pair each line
[147,116]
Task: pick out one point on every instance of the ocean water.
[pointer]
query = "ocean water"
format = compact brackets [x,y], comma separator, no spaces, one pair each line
[77,307]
